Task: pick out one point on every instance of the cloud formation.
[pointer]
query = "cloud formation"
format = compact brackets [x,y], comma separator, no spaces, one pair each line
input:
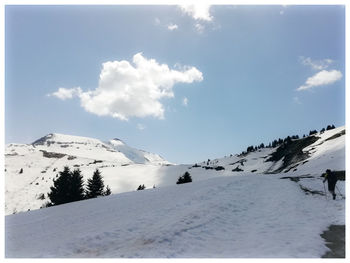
[321,78]
[197,12]
[132,90]
[63,93]
[316,64]
[172,27]
[185,101]
[140,127]
[199,28]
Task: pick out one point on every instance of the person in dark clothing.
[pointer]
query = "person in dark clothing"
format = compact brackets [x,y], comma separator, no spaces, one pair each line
[332,180]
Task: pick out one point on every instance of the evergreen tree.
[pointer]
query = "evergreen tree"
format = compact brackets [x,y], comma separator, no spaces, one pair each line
[60,190]
[141,187]
[95,185]
[186,178]
[108,191]
[76,186]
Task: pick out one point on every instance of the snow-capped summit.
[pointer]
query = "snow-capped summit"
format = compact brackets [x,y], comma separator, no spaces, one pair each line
[58,138]
[135,155]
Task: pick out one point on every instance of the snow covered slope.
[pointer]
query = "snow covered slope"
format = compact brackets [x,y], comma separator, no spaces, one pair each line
[137,156]
[125,168]
[235,216]
[31,168]
[327,152]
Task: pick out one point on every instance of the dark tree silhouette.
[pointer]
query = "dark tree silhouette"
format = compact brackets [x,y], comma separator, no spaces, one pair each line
[108,191]
[95,185]
[76,186]
[141,187]
[61,187]
[186,178]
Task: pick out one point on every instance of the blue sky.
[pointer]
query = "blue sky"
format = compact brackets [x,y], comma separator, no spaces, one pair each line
[187,83]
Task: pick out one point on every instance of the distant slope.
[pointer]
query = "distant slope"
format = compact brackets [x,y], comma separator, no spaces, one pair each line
[31,168]
[312,154]
[137,156]
[238,216]
[125,168]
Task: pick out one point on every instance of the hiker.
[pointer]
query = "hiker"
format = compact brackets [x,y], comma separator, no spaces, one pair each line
[332,180]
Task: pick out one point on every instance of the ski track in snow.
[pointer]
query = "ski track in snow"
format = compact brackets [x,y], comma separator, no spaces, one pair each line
[239,216]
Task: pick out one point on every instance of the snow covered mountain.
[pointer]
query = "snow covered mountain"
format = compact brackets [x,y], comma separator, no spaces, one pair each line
[267,203]
[137,156]
[30,169]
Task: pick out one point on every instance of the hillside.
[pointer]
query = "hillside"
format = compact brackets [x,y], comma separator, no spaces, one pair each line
[237,216]
[125,168]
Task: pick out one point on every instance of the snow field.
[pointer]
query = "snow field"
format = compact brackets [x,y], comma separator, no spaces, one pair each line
[124,168]
[236,216]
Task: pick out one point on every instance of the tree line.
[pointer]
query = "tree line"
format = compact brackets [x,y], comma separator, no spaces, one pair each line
[281,141]
[69,187]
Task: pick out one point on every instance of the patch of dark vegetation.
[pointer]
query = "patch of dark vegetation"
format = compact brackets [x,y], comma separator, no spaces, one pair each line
[253,171]
[335,241]
[71,157]
[336,135]
[141,187]
[196,166]
[43,172]
[76,165]
[219,168]
[186,178]
[292,152]
[237,169]
[11,154]
[41,196]
[207,167]
[52,154]
[95,162]
[241,162]
[125,164]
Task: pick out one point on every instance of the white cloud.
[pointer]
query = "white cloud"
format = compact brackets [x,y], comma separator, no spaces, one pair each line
[197,12]
[63,93]
[322,78]
[172,27]
[185,101]
[132,90]
[141,127]
[199,28]
[316,64]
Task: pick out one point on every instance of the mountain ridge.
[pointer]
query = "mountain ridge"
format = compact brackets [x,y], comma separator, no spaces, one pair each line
[31,169]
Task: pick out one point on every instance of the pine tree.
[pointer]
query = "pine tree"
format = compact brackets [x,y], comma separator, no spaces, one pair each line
[141,187]
[95,185]
[108,191]
[186,178]
[76,186]
[60,190]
